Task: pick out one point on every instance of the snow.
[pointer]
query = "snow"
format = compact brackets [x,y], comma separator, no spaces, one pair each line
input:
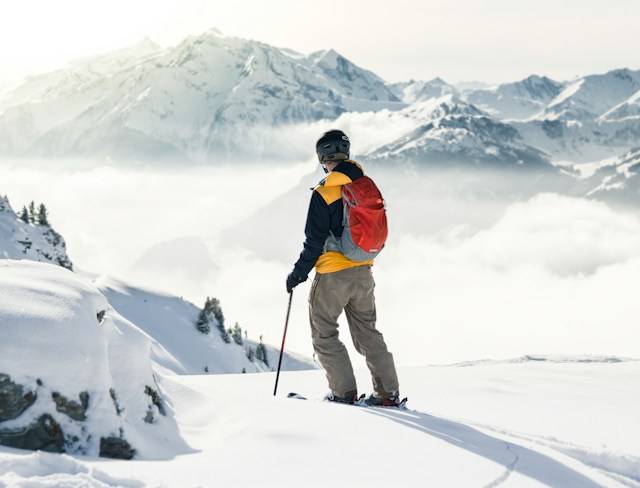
[60,335]
[214,96]
[511,424]
[177,346]
[202,90]
[518,100]
[21,240]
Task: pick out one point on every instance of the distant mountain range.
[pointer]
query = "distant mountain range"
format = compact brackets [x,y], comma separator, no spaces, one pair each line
[213,96]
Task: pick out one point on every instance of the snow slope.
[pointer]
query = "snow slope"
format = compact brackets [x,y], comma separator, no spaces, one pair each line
[177,346]
[21,240]
[87,368]
[448,130]
[418,90]
[518,100]
[170,321]
[617,178]
[591,118]
[529,423]
[593,95]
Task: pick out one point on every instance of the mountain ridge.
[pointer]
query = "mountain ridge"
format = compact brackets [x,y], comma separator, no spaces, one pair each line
[213,97]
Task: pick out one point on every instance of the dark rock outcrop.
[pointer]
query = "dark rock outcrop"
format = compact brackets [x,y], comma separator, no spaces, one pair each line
[116,448]
[71,408]
[14,398]
[45,434]
[156,399]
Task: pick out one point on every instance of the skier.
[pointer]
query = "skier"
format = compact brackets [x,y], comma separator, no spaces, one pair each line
[341,282]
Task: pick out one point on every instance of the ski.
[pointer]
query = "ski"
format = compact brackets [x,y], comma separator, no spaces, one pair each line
[296,396]
[358,403]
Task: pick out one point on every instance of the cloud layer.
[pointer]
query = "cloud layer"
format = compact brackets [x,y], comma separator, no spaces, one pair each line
[548,274]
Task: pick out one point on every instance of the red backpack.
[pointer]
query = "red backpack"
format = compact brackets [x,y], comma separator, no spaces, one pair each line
[364,219]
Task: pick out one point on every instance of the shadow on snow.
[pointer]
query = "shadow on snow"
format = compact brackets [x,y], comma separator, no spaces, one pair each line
[513,457]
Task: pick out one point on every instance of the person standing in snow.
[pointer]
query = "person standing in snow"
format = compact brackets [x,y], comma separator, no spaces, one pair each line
[342,284]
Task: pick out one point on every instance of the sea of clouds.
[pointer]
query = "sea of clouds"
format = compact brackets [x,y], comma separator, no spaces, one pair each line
[495,278]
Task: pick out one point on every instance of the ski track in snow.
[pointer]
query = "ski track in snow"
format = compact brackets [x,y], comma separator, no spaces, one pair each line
[507,471]
[438,444]
[537,465]
[621,467]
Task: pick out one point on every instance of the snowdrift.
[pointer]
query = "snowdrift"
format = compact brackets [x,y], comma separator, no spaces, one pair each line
[177,346]
[75,375]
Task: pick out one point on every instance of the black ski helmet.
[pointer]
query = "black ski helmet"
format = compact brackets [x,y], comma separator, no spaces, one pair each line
[334,145]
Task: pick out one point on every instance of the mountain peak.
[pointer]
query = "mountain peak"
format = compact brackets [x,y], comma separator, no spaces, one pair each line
[327,57]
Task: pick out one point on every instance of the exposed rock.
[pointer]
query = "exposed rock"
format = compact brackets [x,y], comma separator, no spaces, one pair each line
[116,448]
[100,316]
[114,398]
[14,400]
[155,399]
[44,434]
[71,408]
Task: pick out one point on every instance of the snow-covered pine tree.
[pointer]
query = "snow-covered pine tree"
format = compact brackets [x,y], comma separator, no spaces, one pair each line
[261,352]
[236,333]
[24,215]
[202,324]
[251,354]
[43,217]
[212,312]
[32,212]
[215,308]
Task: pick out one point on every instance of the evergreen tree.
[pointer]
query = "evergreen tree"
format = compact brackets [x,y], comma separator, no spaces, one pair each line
[251,354]
[236,333]
[32,211]
[261,352]
[43,217]
[212,306]
[202,324]
[24,215]
[216,310]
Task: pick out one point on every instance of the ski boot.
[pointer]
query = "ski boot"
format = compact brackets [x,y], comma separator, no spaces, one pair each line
[392,400]
[349,399]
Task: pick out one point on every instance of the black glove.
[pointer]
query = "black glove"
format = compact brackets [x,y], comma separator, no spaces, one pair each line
[294,280]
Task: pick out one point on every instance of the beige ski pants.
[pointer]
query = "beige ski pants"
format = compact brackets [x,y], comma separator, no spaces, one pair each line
[351,290]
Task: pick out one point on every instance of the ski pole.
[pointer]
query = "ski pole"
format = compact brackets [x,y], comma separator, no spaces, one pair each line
[284,336]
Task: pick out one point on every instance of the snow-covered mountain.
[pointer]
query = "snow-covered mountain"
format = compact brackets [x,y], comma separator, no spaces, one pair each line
[419,90]
[215,97]
[30,237]
[80,354]
[449,130]
[617,178]
[591,118]
[170,322]
[518,100]
[195,99]
[629,110]
[592,96]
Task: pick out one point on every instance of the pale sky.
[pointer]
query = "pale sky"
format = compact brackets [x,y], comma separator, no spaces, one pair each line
[490,40]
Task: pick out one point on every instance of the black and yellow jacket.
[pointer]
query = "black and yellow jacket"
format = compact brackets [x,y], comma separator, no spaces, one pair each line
[325,217]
